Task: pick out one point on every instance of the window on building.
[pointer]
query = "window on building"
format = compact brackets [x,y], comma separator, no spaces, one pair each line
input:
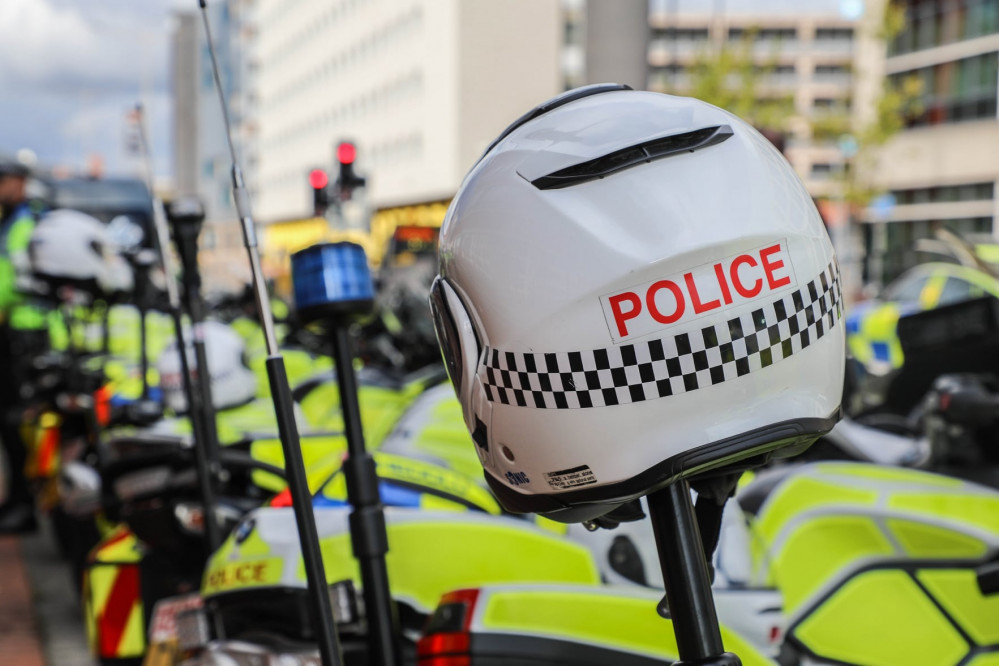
[763,34]
[955,91]
[822,70]
[776,34]
[901,255]
[682,34]
[573,33]
[932,23]
[821,170]
[830,104]
[834,34]
[946,193]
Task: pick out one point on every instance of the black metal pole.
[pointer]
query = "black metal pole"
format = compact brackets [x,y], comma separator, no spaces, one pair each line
[186,239]
[686,578]
[160,239]
[106,329]
[202,458]
[141,269]
[368,533]
[202,417]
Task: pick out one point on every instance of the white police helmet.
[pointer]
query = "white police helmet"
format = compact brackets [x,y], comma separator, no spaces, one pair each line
[233,382]
[634,288]
[71,247]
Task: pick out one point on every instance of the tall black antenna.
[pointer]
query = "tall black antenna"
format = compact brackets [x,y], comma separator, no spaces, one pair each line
[322,610]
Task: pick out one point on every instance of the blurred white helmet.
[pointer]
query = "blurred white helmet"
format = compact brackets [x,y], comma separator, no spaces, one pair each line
[233,383]
[634,288]
[70,247]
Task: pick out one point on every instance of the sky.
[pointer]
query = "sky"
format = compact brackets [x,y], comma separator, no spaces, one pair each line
[72,69]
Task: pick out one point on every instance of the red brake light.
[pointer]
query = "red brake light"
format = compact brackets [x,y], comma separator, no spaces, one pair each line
[447,639]
[282,499]
[102,405]
[443,644]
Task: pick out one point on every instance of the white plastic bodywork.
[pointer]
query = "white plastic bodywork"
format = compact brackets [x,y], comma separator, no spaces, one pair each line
[233,383]
[867,444]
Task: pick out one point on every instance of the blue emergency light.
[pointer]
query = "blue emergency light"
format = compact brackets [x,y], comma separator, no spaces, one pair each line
[331,280]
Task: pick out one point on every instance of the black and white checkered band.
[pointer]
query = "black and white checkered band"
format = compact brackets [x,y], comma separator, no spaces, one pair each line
[667,366]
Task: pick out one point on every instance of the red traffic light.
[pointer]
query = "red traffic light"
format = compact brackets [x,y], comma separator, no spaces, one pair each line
[346,152]
[318,179]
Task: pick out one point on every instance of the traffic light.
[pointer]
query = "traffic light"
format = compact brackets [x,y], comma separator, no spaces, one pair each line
[319,180]
[346,153]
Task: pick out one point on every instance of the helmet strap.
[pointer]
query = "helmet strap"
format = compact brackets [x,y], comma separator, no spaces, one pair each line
[712,494]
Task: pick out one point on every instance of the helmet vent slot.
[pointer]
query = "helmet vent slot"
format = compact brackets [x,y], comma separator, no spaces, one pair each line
[632,156]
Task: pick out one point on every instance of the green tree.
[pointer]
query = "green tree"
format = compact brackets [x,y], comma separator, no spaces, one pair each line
[736,79]
[897,101]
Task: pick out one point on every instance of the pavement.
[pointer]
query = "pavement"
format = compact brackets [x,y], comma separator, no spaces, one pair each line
[41,621]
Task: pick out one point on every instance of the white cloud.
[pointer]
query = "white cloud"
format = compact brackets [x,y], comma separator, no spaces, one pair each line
[101,128]
[82,45]
[73,68]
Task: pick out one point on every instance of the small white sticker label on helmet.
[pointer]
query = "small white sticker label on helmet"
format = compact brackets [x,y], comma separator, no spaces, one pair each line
[570,478]
[709,288]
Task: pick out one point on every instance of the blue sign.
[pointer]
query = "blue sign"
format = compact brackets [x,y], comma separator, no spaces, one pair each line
[881,207]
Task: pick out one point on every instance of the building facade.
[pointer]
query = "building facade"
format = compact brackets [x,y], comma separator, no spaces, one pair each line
[202,163]
[420,86]
[806,57]
[942,169]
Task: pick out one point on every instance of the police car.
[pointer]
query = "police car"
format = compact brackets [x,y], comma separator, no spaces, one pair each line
[870,326]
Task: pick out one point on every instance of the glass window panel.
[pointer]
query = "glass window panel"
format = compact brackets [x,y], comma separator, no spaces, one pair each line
[906,290]
[954,291]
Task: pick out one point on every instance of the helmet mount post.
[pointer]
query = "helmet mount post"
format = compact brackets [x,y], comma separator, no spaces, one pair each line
[202,449]
[333,285]
[321,606]
[186,215]
[687,578]
[142,262]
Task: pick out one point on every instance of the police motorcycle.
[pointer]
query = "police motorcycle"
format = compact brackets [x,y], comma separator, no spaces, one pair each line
[254,598]
[77,267]
[386,389]
[150,484]
[698,357]
[940,410]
